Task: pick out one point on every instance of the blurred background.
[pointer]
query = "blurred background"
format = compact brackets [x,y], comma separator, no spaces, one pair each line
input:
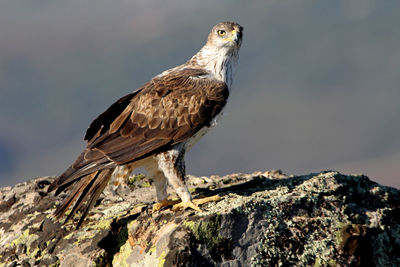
[317,86]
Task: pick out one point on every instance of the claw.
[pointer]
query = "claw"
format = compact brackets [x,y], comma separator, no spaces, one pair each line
[184,205]
[164,203]
[201,201]
[194,204]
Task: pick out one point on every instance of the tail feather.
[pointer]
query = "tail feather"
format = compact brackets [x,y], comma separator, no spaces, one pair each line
[77,191]
[88,161]
[56,183]
[95,192]
[71,175]
[66,181]
[84,193]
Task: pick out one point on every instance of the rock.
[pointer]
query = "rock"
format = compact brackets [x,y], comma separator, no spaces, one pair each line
[263,219]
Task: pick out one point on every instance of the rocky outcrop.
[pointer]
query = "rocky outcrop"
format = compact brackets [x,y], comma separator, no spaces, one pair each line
[262,219]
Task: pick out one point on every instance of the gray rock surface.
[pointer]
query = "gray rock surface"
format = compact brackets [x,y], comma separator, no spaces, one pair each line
[263,219]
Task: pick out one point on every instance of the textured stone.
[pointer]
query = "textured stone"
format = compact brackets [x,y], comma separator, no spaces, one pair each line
[263,219]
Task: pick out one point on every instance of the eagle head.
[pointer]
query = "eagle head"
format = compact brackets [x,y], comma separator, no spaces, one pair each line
[226,34]
[220,54]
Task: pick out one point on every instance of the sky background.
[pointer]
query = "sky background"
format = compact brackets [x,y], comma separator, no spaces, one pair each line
[317,86]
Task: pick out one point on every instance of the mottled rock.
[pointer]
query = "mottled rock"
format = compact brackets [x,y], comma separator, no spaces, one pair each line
[263,219]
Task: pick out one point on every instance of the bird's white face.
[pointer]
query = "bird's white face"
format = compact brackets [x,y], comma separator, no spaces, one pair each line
[220,54]
[226,35]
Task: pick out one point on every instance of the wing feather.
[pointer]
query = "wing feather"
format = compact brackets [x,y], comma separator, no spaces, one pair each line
[103,121]
[164,112]
[117,123]
[168,110]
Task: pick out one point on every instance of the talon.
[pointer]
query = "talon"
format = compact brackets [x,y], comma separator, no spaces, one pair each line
[194,204]
[201,201]
[184,205]
[164,203]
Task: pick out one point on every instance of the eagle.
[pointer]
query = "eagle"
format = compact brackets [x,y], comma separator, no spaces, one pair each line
[154,126]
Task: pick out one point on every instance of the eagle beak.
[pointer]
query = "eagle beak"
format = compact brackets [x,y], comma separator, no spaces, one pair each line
[236,36]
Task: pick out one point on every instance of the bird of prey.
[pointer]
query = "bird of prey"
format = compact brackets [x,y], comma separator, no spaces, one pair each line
[154,126]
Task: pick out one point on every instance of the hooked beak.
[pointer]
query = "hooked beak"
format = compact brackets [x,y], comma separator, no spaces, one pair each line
[236,36]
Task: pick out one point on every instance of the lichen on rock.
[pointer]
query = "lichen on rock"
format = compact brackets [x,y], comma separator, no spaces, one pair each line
[263,219]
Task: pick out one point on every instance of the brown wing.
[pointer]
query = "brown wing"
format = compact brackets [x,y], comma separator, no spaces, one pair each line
[167,111]
[164,112]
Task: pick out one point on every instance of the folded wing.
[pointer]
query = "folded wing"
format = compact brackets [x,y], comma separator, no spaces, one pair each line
[165,111]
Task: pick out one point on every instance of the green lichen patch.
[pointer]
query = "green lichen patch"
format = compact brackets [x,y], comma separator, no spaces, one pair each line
[120,259]
[161,259]
[115,240]
[145,184]
[103,224]
[134,178]
[26,243]
[138,180]
[23,238]
[206,231]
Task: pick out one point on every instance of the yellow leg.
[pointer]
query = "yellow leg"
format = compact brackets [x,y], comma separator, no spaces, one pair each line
[194,204]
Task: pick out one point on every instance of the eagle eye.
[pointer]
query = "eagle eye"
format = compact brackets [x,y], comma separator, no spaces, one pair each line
[221,32]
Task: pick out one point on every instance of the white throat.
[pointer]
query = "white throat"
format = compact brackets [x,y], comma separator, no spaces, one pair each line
[219,61]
